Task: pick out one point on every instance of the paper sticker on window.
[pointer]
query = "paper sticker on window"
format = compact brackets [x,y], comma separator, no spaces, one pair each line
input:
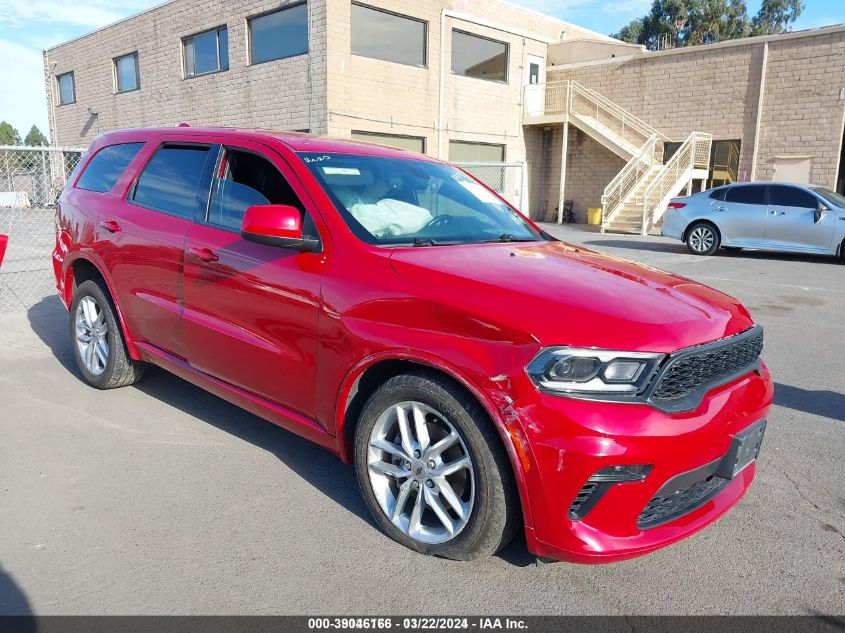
[341,171]
[479,191]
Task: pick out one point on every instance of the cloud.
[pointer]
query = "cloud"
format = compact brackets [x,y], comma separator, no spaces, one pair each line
[95,13]
[23,102]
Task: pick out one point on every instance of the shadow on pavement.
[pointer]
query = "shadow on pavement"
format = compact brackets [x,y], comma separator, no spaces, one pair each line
[314,464]
[639,245]
[13,600]
[828,404]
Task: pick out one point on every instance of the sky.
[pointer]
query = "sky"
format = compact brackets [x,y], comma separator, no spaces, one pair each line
[29,26]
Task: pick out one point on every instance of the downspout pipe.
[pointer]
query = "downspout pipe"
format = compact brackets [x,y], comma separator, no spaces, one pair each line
[760,102]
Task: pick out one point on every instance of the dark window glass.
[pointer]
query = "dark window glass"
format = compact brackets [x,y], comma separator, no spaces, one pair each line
[170,180]
[533,73]
[104,170]
[387,36]
[792,197]
[248,179]
[718,194]
[126,72]
[747,194]
[480,57]
[207,52]
[280,34]
[67,89]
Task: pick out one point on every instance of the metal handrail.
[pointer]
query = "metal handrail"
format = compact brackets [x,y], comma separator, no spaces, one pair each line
[628,120]
[628,178]
[694,153]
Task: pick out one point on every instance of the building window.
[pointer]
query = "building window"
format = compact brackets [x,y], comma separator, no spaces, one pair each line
[67,88]
[412,143]
[126,73]
[383,35]
[280,34]
[468,152]
[476,56]
[206,52]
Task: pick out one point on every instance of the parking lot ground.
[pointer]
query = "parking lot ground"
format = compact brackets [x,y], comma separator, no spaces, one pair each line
[162,499]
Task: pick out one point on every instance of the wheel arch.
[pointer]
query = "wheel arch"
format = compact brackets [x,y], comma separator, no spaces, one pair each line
[84,268]
[366,377]
[702,221]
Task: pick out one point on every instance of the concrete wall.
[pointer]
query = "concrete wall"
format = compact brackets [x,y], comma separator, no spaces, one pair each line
[281,94]
[715,89]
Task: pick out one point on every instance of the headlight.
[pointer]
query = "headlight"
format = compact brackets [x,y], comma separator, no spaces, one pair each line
[592,371]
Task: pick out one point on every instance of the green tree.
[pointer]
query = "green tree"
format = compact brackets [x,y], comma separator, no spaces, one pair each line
[35,138]
[672,23]
[8,134]
[776,16]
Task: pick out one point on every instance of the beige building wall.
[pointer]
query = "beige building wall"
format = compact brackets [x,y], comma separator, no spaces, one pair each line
[282,94]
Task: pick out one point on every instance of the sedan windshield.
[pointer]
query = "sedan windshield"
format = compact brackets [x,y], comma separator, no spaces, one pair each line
[400,201]
[835,199]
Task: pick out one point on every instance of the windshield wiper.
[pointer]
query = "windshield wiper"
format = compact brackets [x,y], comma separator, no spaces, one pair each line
[425,241]
[507,237]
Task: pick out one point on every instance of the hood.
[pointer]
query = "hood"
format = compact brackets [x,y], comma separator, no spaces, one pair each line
[560,294]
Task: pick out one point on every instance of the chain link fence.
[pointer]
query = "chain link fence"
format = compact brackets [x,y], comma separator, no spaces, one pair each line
[509,180]
[31,180]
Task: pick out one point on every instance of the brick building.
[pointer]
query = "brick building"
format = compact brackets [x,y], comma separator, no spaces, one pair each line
[503,83]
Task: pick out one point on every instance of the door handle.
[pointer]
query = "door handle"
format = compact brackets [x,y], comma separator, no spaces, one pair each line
[721,209]
[778,212]
[111,226]
[205,254]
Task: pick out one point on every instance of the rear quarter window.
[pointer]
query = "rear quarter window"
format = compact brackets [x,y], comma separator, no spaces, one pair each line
[105,169]
[718,194]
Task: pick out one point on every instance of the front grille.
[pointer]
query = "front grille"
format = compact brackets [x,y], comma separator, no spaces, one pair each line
[666,508]
[693,370]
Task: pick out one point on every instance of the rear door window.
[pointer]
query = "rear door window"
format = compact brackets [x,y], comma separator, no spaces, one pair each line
[792,197]
[105,169]
[245,179]
[172,180]
[747,194]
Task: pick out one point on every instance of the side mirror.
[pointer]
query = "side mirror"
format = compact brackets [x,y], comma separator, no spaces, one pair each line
[277,225]
[820,211]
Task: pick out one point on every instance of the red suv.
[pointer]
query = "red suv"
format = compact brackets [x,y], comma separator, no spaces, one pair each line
[480,374]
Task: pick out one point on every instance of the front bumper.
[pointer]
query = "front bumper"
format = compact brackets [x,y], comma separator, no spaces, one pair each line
[564,441]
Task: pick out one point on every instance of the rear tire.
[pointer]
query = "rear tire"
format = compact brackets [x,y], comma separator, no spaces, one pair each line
[469,513]
[97,339]
[702,239]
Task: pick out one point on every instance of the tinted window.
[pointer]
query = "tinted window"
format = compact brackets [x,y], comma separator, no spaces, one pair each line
[207,52]
[387,36]
[792,197]
[718,194]
[480,57]
[126,72]
[104,170]
[280,34]
[750,194]
[249,179]
[171,179]
[413,143]
[67,89]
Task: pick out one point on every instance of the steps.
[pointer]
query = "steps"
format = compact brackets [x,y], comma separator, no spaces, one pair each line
[628,218]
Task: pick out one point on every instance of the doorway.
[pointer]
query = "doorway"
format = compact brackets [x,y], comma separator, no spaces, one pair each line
[534,85]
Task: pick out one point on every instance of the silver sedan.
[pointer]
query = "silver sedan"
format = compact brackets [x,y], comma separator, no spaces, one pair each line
[768,216]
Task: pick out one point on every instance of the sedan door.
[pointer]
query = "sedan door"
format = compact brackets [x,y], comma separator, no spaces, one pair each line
[742,216]
[251,309]
[795,221]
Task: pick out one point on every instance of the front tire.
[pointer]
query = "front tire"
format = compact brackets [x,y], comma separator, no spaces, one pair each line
[702,239]
[97,339]
[432,469]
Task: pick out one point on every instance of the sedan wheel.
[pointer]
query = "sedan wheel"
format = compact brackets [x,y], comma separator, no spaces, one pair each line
[421,472]
[702,239]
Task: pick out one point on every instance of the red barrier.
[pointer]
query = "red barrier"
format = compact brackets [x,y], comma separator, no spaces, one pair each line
[4,239]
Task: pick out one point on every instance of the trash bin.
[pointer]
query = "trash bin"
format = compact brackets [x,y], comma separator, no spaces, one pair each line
[594,216]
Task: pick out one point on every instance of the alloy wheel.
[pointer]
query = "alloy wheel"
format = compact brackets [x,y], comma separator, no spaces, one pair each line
[702,239]
[421,472]
[92,335]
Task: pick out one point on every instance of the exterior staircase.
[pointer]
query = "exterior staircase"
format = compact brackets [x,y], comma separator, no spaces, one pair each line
[636,198]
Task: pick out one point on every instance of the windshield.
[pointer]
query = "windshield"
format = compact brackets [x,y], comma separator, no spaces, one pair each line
[835,199]
[399,201]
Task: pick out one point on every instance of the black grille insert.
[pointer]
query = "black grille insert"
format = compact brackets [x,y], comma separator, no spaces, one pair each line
[583,502]
[698,368]
[662,509]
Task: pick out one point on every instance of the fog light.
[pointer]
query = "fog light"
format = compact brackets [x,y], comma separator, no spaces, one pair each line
[621,473]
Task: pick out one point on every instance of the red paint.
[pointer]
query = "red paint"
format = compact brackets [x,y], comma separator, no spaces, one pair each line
[273,220]
[286,334]
[4,240]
